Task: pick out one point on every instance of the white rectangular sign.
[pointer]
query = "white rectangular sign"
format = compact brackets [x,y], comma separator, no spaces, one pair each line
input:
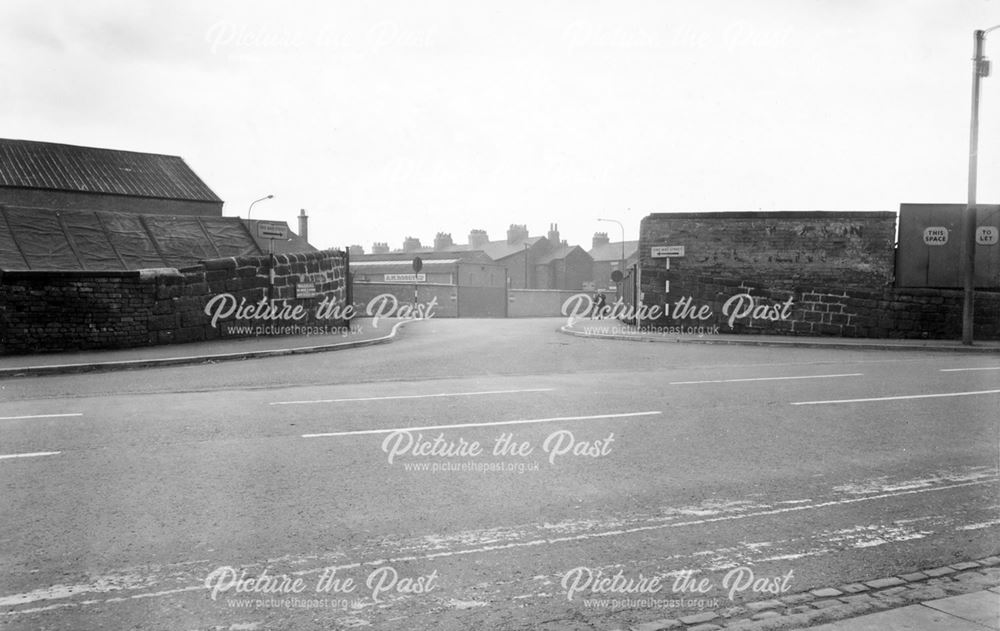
[664,251]
[987,235]
[405,278]
[269,230]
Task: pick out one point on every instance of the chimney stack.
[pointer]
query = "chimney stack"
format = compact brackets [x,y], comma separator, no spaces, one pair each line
[356,250]
[478,239]
[553,235]
[442,241]
[411,244]
[380,247]
[304,225]
[517,232]
[600,238]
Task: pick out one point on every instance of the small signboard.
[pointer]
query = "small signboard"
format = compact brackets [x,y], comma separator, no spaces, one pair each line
[666,286]
[664,251]
[271,230]
[305,290]
[936,235]
[987,235]
[405,278]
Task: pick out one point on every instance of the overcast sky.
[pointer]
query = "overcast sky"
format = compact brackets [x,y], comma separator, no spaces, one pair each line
[387,119]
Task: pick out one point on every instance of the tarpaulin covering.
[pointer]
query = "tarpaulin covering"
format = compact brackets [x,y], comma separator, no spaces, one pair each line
[37,239]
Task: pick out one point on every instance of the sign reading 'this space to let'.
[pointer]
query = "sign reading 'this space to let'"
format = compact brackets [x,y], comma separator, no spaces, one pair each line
[936,235]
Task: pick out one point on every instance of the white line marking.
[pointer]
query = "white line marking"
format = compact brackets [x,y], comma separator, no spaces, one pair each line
[414,396]
[17,418]
[491,424]
[31,455]
[980,526]
[964,369]
[636,529]
[900,398]
[33,596]
[683,383]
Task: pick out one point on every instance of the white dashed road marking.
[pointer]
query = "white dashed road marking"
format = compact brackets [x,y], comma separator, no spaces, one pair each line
[682,383]
[30,455]
[414,396]
[490,424]
[900,398]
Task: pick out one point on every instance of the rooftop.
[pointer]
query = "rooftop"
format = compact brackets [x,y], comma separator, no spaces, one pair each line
[52,166]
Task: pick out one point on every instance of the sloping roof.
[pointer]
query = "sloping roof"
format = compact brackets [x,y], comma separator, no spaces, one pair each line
[51,166]
[497,250]
[559,253]
[64,240]
[613,251]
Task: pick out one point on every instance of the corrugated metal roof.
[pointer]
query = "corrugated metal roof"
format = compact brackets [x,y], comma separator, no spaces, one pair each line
[46,165]
[42,239]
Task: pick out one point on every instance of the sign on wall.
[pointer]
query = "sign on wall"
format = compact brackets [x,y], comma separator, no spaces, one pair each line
[987,235]
[305,290]
[405,278]
[936,235]
[664,251]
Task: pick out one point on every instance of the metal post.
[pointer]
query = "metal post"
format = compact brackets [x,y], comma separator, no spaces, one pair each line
[969,219]
[525,265]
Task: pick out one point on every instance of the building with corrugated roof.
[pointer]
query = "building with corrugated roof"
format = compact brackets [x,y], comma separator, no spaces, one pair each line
[54,176]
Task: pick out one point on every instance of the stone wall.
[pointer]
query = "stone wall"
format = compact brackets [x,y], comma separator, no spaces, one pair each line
[58,311]
[537,303]
[796,273]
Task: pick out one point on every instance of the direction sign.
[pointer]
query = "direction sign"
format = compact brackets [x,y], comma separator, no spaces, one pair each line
[664,251]
[272,230]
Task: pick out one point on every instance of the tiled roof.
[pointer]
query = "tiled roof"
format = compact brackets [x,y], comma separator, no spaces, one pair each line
[559,253]
[45,165]
[613,251]
[497,250]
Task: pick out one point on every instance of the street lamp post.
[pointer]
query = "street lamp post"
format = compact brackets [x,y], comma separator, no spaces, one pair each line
[249,210]
[980,69]
[621,264]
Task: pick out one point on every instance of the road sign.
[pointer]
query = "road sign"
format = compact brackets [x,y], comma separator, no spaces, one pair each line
[418,264]
[936,235]
[272,230]
[987,235]
[617,276]
[664,251]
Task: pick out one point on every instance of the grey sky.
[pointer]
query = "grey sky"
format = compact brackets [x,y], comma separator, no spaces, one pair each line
[390,119]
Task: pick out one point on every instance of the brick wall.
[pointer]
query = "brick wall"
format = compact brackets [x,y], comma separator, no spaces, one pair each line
[836,269]
[58,311]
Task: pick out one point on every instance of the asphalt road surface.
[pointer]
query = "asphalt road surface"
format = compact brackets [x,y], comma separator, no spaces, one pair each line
[487,474]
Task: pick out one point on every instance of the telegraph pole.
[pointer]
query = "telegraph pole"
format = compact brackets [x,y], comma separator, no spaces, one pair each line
[980,69]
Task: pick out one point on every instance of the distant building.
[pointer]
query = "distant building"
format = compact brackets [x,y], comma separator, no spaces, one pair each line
[66,177]
[607,256]
[539,262]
